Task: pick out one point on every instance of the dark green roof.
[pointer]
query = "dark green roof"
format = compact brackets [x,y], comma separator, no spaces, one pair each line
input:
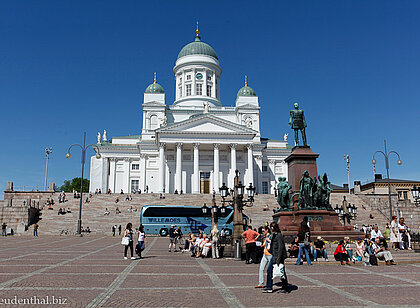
[197,48]
[246,91]
[154,88]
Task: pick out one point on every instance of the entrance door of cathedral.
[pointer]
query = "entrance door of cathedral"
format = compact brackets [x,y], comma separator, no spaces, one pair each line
[204,182]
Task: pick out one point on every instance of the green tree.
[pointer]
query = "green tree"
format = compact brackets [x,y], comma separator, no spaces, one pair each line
[74,184]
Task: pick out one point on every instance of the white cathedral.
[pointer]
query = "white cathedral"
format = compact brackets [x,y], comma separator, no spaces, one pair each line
[195,144]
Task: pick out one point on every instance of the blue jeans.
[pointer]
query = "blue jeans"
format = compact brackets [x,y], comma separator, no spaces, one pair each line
[322,252]
[304,248]
[269,284]
[350,253]
[264,261]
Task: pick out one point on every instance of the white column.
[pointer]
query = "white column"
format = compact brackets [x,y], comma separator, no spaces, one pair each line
[178,171]
[127,170]
[232,165]
[216,167]
[258,159]
[161,167]
[112,166]
[143,183]
[272,164]
[196,176]
[250,169]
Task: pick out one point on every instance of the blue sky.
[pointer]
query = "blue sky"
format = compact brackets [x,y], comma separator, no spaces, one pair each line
[73,66]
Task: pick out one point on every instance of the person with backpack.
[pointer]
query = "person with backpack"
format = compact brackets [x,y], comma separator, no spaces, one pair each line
[276,266]
[172,238]
[140,241]
[304,240]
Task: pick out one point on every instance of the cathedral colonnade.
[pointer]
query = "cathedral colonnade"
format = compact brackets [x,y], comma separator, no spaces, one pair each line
[204,178]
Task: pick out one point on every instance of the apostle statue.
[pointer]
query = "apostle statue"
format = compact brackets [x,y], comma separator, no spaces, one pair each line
[98,137]
[164,120]
[104,136]
[206,107]
[285,137]
[283,198]
[306,186]
[298,123]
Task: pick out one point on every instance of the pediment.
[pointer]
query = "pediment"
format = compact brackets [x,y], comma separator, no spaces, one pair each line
[206,123]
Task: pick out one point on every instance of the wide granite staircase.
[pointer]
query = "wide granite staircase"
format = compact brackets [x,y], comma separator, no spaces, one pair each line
[261,211]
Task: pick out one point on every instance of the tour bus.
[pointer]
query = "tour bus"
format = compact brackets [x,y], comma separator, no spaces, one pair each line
[157,219]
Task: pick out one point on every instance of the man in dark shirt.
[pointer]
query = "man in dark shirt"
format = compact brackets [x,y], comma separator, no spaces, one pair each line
[172,236]
[3,229]
[320,249]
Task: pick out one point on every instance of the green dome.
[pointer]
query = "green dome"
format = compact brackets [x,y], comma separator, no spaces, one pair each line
[246,91]
[154,88]
[197,48]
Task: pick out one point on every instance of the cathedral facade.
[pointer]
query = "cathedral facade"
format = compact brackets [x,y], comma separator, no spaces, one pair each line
[195,144]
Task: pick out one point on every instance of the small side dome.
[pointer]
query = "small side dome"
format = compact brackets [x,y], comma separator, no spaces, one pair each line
[246,90]
[154,87]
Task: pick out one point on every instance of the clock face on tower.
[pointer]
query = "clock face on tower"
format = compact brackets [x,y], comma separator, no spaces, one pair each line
[199,76]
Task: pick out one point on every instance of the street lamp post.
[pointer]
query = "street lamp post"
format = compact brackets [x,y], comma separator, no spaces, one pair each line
[68,155]
[399,162]
[48,151]
[347,159]
[237,202]
[348,215]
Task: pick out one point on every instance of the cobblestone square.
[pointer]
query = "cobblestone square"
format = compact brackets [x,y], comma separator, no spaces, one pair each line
[91,272]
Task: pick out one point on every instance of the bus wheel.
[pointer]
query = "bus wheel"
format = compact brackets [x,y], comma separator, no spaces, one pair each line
[228,232]
[163,232]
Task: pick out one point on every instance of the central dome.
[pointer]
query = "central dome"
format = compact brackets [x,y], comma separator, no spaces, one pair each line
[197,48]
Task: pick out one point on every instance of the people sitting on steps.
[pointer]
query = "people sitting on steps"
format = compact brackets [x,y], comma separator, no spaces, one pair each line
[382,253]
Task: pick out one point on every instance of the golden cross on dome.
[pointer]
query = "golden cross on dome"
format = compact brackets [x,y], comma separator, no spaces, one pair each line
[154,79]
[197,31]
[246,81]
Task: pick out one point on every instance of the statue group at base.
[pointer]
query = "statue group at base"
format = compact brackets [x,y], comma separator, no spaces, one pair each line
[314,193]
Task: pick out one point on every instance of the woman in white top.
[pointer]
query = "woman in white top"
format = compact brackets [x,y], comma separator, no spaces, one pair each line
[395,237]
[140,241]
[215,242]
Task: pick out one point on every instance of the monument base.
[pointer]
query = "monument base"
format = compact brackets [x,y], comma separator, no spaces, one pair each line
[323,223]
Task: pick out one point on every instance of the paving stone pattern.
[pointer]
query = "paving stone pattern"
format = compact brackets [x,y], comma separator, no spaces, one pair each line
[91,272]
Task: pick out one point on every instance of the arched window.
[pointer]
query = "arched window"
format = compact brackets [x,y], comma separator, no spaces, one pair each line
[154,122]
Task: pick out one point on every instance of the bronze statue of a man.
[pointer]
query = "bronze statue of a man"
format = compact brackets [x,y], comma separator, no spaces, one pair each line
[297,121]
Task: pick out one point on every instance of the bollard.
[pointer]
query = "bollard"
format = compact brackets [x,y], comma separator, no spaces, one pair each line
[238,250]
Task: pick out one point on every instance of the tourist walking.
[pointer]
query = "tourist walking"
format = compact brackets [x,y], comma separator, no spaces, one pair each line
[140,241]
[304,240]
[119,230]
[129,233]
[114,227]
[250,241]
[279,253]
[266,259]
[215,242]
[36,226]
[172,238]
[3,229]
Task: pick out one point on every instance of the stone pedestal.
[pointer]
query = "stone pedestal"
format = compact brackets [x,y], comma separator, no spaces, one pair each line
[300,160]
[323,223]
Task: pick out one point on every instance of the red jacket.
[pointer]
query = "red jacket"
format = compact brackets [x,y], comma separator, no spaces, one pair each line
[339,249]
